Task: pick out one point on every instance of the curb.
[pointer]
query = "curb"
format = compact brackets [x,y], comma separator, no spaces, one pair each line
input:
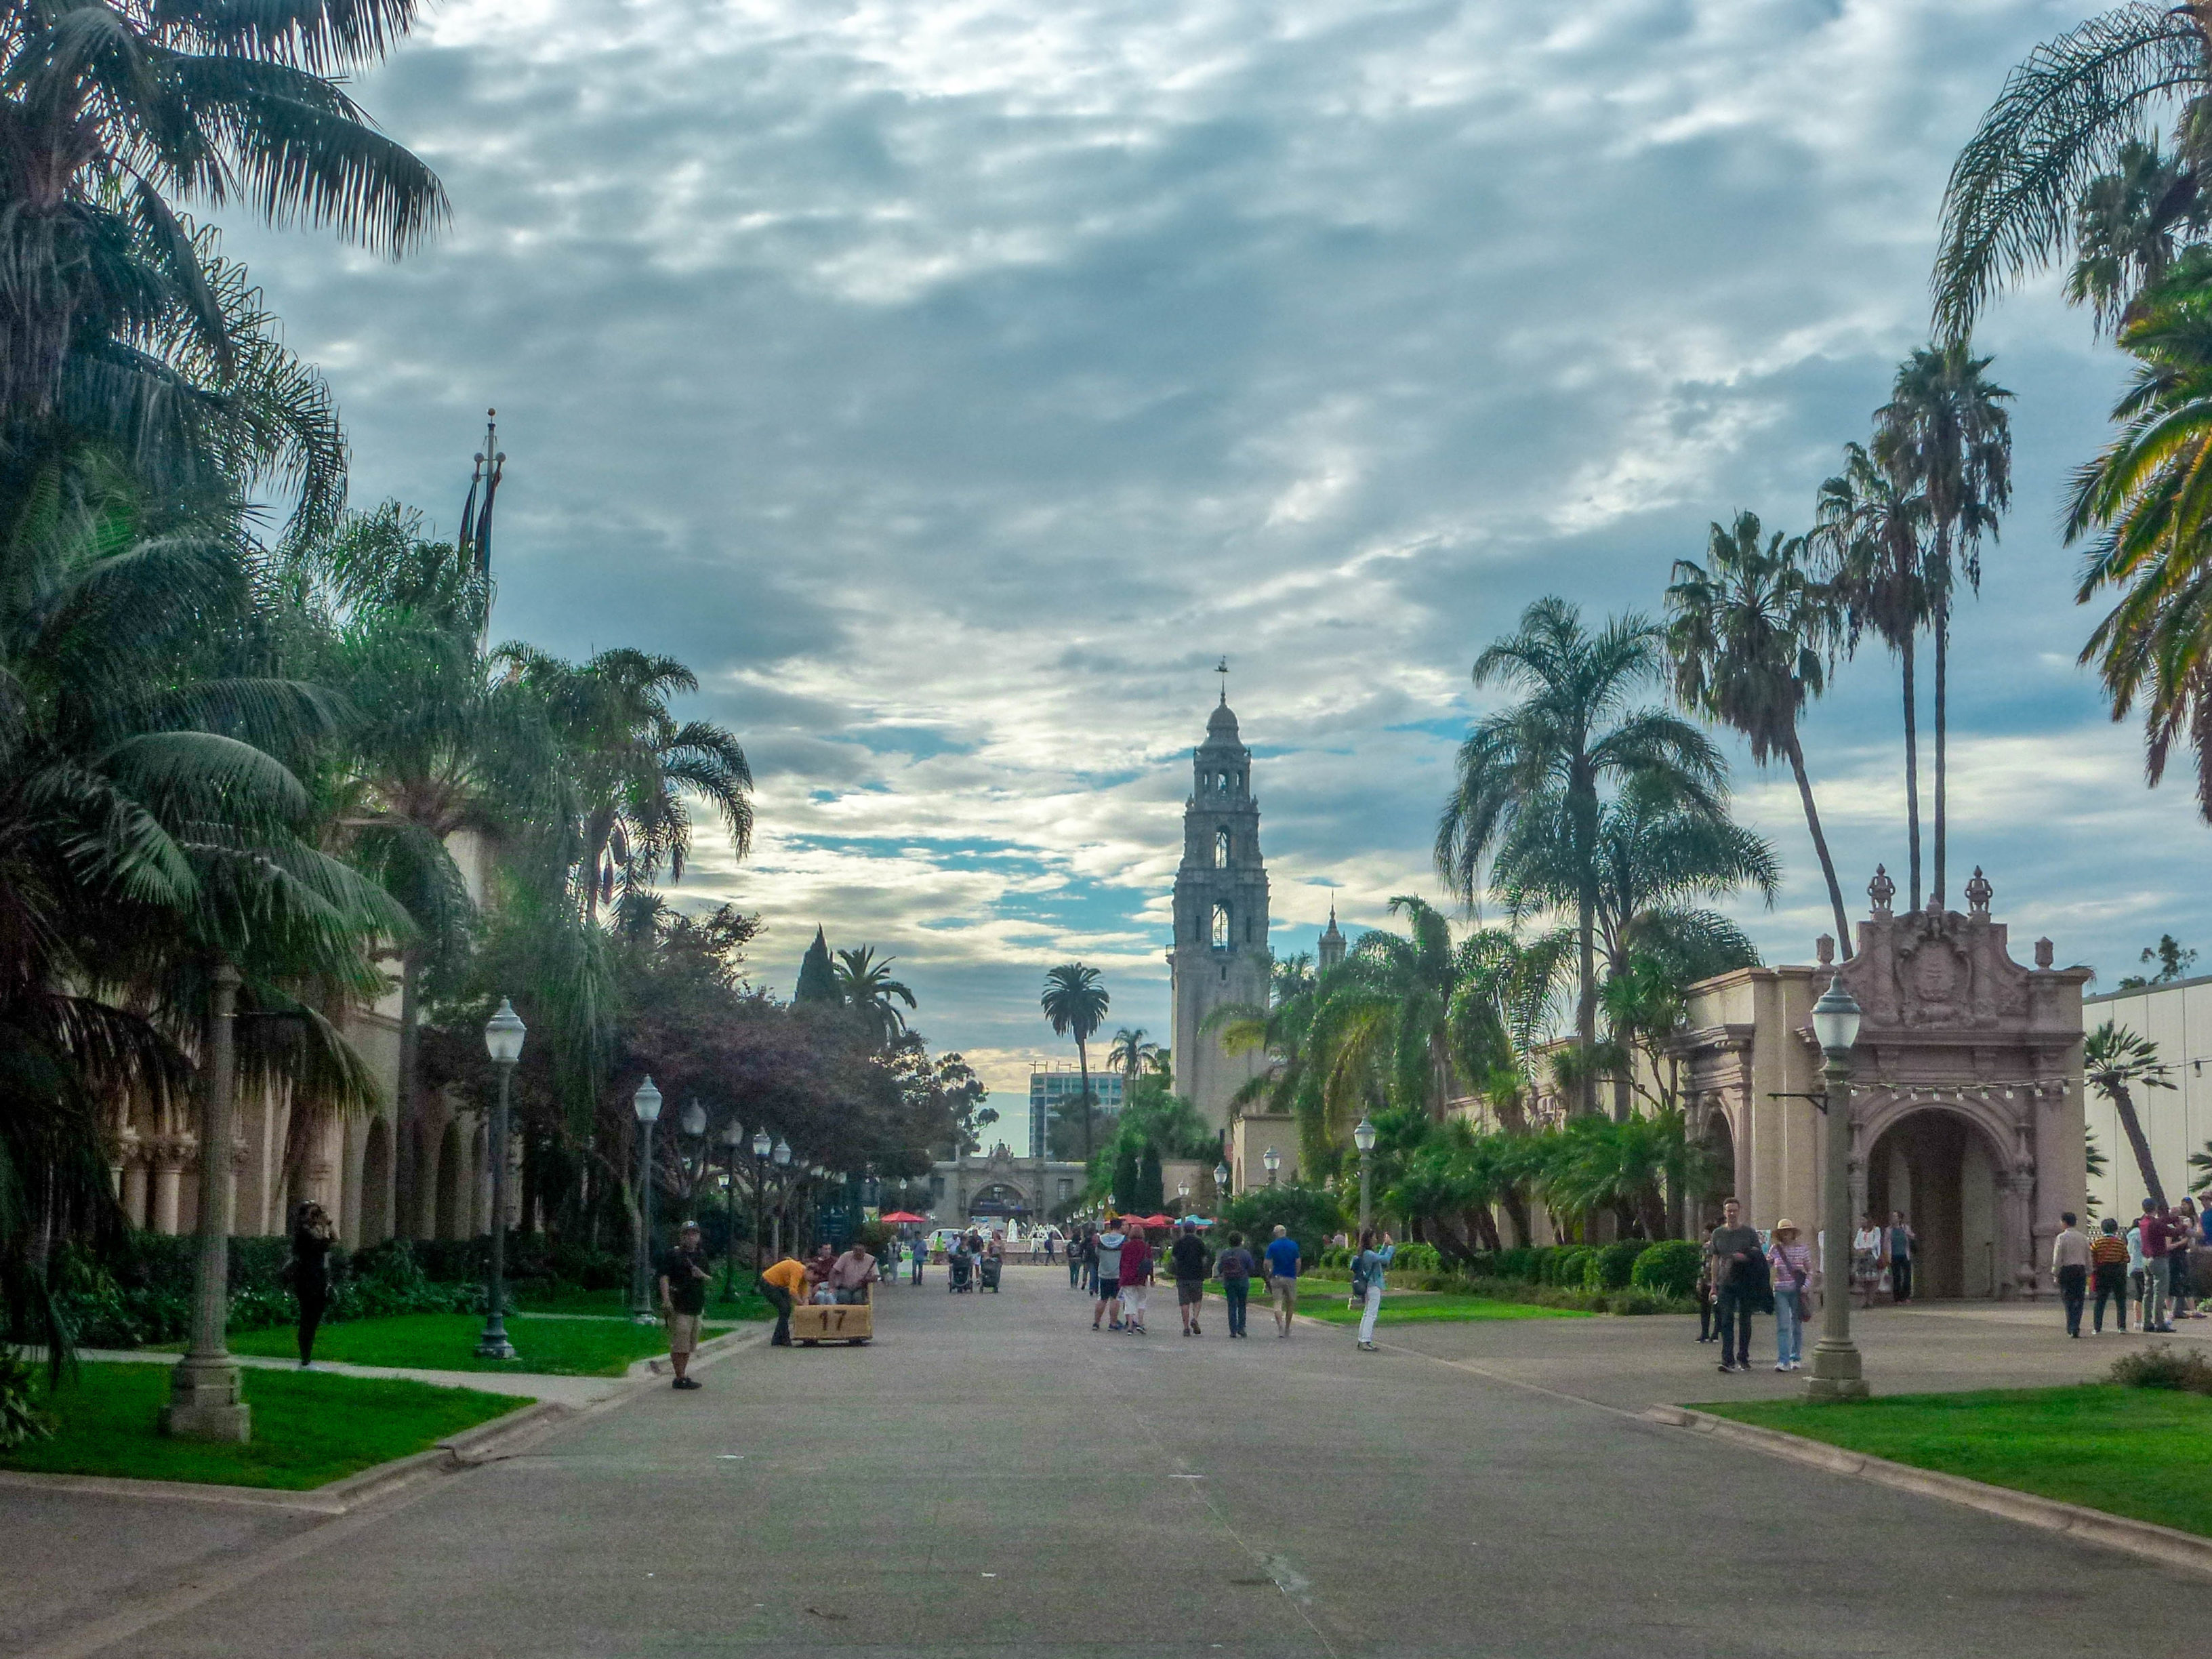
[2143,1538]
[465,1450]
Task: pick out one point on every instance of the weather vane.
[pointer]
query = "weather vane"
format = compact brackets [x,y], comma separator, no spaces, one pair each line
[1222,669]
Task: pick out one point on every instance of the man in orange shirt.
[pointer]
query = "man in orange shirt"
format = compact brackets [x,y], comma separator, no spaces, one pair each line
[783,1284]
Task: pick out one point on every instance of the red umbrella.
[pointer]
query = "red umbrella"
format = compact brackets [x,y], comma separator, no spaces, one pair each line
[902,1215]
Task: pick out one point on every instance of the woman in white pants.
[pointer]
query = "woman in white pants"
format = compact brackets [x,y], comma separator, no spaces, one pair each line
[1367,1276]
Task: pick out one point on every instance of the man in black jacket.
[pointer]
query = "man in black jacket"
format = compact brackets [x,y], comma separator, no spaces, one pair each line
[1740,1281]
[1188,1259]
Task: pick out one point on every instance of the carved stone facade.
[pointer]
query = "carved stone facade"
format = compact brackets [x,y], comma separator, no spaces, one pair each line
[1001,1187]
[1221,953]
[1966,1102]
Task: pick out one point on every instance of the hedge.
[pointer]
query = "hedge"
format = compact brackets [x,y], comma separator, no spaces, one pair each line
[1608,1265]
[1669,1267]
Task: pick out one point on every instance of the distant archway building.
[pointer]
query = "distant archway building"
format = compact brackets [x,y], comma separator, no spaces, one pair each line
[1221,954]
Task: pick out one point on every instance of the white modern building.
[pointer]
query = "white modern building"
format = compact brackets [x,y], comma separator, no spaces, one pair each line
[2177,1121]
[1049,1086]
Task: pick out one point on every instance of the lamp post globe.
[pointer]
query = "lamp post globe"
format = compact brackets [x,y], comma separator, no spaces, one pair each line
[1272,1161]
[646,1103]
[1836,1371]
[503,1034]
[1221,1180]
[695,1118]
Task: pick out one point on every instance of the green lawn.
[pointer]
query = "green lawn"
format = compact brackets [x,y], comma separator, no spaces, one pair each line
[308,1430]
[569,1299]
[1424,1307]
[561,1347]
[2146,1453]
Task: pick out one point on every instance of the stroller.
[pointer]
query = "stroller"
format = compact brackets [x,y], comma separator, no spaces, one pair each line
[991,1268]
[958,1262]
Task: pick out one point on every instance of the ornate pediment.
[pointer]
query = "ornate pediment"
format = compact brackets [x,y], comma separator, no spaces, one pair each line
[1935,969]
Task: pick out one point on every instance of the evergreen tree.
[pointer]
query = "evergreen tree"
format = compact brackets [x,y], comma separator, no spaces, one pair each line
[1125,1179]
[1152,1196]
[818,980]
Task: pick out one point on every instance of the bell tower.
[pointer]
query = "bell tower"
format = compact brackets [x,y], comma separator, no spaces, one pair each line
[1220,953]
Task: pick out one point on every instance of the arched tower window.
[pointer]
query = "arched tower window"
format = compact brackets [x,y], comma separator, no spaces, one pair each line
[1221,927]
[1221,849]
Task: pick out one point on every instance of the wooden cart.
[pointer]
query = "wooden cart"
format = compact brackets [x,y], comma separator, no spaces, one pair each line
[854,1324]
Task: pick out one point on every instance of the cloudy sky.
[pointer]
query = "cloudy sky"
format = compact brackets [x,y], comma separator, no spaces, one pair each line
[952,381]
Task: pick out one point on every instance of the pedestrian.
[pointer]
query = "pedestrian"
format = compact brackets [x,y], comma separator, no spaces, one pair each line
[1709,1324]
[1136,1279]
[1790,1268]
[2179,1260]
[1739,1276]
[1280,1264]
[309,1271]
[2108,1268]
[1091,1258]
[1049,1243]
[1866,1259]
[1075,1243]
[1106,1257]
[685,1274]
[1188,1259]
[2158,1231]
[2069,1265]
[1902,1239]
[2138,1273]
[1233,1267]
[1367,1268]
[852,1274]
[782,1286]
[918,1254]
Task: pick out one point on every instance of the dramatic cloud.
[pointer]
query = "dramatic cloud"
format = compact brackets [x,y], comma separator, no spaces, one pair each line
[951,381]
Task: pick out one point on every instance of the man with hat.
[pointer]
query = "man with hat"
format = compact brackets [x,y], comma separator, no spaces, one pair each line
[684,1276]
[1790,1265]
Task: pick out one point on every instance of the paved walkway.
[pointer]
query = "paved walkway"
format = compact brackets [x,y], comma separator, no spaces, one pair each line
[991,1478]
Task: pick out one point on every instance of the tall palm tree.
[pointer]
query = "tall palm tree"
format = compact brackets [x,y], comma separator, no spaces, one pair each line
[1076,1004]
[2066,115]
[2114,1061]
[1383,1033]
[114,116]
[1868,527]
[2131,225]
[1555,753]
[1945,433]
[633,761]
[1750,634]
[868,988]
[2149,494]
[1129,1056]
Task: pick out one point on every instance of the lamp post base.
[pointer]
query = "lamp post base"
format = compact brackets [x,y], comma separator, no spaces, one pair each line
[1835,1373]
[493,1343]
[206,1402]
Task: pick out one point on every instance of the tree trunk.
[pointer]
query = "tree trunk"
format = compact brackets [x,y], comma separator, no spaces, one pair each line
[1820,846]
[1942,666]
[1622,1106]
[1082,1065]
[1584,799]
[406,1208]
[1911,772]
[2132,1127]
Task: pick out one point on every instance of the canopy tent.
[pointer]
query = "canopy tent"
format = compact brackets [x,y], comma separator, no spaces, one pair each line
[902,1216]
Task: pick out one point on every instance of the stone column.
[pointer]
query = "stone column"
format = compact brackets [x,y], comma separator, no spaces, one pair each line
[134,1188]
[2019,1225]
[205,1399]
[168,1183]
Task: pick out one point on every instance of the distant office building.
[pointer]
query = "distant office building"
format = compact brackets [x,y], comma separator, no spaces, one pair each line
[1051,1085]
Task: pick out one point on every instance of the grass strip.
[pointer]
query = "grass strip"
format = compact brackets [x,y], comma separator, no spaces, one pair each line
[447,1342]
[1424,1307]
[309,1429]
[569,1299]
[2143,1453]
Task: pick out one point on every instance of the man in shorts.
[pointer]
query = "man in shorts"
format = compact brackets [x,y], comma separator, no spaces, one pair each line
[1110,1244]
[684,1276]
[1188,1259]
[1280,1262]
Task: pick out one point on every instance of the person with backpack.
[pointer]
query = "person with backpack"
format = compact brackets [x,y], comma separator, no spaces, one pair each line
[1106,1258]
[1136,1279]
[2108,1274]
[1789,1265]
[1234,1267]
[1367,1281]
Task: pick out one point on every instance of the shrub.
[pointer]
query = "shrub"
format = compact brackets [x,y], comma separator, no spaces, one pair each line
[1310,1216]
[2164,1367]
[1608,1265]
[20,1419]
[1564,1266]
[1668,1269]
[1416,1259]
[1524,1262]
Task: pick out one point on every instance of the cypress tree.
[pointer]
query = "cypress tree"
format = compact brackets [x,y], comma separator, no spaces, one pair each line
[1151,1195]
[817,983]
[1125,1180]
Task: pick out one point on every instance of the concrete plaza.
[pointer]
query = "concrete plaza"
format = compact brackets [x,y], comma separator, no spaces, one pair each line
[991,1478]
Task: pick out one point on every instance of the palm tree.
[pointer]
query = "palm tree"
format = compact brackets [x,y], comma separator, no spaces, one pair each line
[1383,1032]
[1130,1055]
[1750,635]
[2113,1061]
[2131,225]
[868,988]
[116,115]
[2065,116]
[632,762]
[2149,493]
[1076,1004]
[1945,434]
[1868,528]
[1554,754]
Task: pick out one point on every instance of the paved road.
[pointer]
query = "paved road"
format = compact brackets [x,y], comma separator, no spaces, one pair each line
[991,1478]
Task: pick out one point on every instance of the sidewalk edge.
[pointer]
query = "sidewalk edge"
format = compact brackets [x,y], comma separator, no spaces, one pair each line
[2144,1539]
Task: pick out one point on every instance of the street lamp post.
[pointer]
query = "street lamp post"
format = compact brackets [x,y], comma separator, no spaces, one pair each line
[646,1103]
[734,1137]
[503,1034]
[1273,1161]
[1836,1372]
[782,1156]
[761,1147]
[1364,1138]
[1220,1185]
[204,1389]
